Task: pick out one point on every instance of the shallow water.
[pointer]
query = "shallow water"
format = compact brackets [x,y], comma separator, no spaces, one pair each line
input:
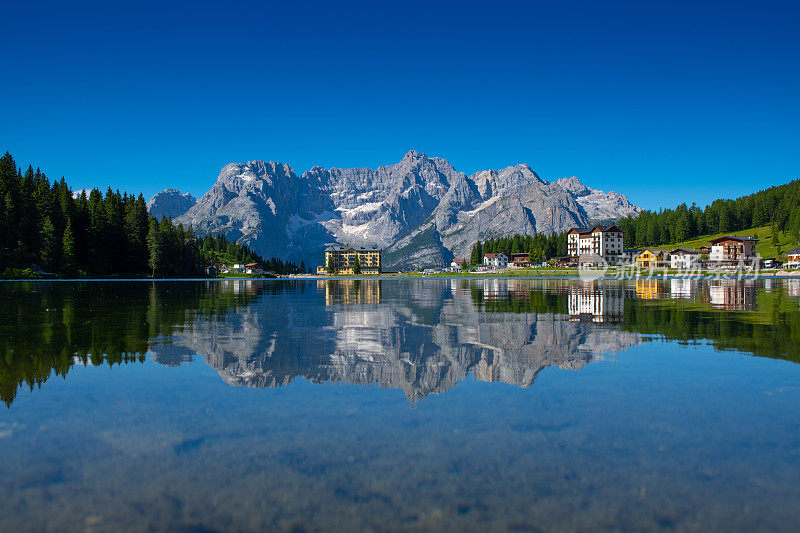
[400,404]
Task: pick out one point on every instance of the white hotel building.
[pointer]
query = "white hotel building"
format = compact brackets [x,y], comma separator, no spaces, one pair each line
[604,242]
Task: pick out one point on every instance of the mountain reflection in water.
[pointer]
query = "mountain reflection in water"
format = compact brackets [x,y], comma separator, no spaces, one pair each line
[421,336]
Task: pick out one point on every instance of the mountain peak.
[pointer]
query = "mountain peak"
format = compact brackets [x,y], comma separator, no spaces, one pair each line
[170,203]
[574,186]
[413,155]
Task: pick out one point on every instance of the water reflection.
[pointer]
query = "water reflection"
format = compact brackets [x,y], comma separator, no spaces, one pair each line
[422,337]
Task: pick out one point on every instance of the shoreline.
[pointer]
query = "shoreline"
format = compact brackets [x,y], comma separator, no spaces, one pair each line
[449,275]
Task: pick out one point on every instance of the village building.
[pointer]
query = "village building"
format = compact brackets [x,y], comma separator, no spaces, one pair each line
[519,261]
[458,264]
[733,250]
[684,258]
[628,256]
[498,260]
[653,258]
[604,241]
[793,258]
[342,260]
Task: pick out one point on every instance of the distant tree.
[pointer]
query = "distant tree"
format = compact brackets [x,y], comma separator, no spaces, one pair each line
[476,257]
[682,229]
[49,245]
[329,268]
[68,259]
[302,267]
[356,266]
[154,246]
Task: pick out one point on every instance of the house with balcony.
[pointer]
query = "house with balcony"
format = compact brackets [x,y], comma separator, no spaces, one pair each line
[793,258]
[732,250]
[342,260]
[519,261]
[606,242]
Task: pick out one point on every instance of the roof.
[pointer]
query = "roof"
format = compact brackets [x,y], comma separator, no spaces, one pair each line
[494,255]
[343,248]
[604,229]
[655,251]
[459,261]
[580,231]
[733,238]
[591,258]
[793,252]
[687,251]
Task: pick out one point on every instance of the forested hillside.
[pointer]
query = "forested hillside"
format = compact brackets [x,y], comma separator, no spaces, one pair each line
[43,228]
[778,207]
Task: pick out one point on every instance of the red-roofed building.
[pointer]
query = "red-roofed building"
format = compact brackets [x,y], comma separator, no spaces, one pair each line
[499,260]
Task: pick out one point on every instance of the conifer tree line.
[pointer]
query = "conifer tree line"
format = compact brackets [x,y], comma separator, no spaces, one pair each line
[42,224]
[778,207]
[539,247]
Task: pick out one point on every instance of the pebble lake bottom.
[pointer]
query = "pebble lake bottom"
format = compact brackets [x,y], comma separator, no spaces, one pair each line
[532,405]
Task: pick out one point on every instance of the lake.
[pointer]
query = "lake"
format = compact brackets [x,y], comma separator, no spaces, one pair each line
[406,404]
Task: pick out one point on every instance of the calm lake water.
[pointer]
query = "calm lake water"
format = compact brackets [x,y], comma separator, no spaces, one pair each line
[400,404]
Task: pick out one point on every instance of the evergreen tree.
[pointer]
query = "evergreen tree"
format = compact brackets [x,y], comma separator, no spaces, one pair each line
[356,266]
[476,257]
[49,248]
[68,259]
[154,247]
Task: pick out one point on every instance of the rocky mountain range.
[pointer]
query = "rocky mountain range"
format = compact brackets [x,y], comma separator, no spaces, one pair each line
[421,210]
[170,203]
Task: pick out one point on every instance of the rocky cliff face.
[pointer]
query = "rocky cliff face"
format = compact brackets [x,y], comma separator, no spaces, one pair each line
[170,203]
[597,204]
[421,210]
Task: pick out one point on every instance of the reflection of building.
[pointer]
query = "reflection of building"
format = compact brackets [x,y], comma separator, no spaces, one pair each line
[495,288]
[793,287]
[733,249]
[683,288]
[603,241]
[598,304]
[342,260]
[732,295]
[351,291]
[647,289]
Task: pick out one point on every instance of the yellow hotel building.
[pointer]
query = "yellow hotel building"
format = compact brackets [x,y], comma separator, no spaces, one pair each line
[343,258]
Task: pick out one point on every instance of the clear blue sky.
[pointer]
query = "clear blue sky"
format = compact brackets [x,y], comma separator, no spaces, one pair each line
[666,102]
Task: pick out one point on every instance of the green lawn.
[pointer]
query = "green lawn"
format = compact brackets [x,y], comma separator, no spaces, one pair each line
[765,247]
